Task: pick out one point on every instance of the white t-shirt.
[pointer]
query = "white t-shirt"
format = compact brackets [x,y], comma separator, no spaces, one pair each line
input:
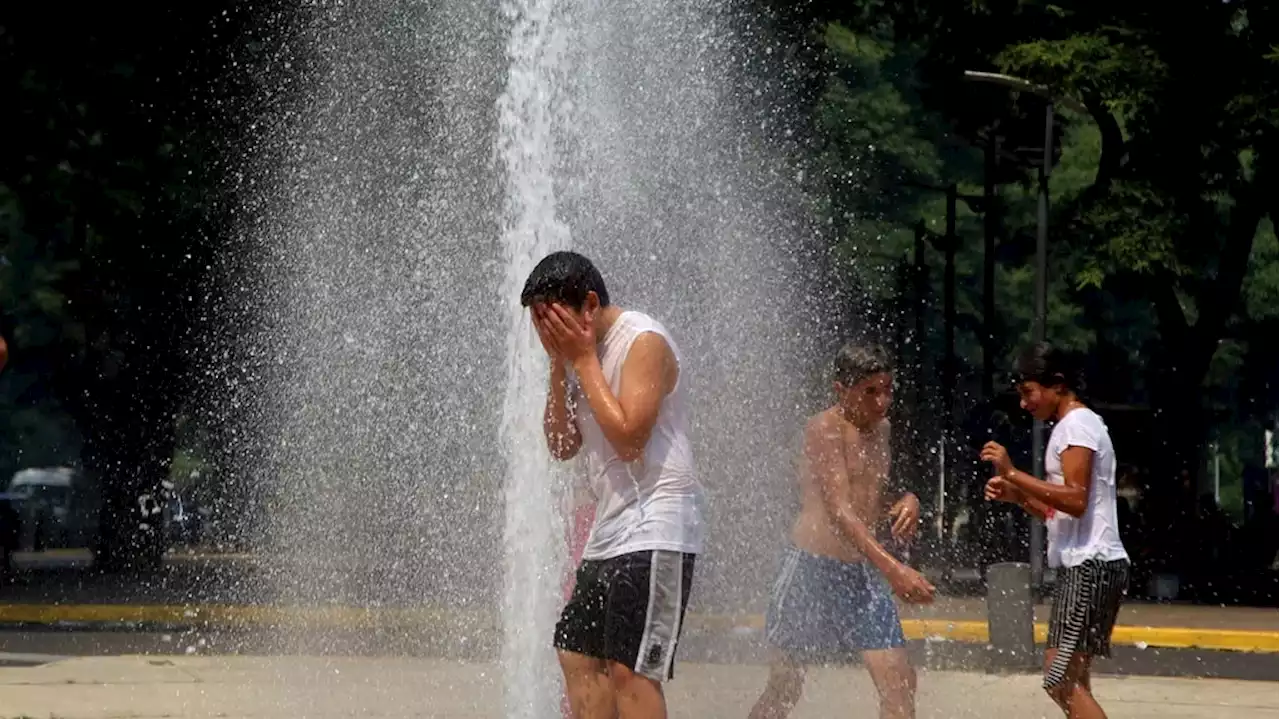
[655,502]
[1095,534]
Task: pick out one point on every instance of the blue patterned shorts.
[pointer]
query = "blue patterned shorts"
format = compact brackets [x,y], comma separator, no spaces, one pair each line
[825,611]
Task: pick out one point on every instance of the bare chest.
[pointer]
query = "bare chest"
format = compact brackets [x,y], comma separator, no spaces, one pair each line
[866,458]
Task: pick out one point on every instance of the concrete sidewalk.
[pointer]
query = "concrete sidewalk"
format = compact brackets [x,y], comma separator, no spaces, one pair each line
[303,688]
[1240,629]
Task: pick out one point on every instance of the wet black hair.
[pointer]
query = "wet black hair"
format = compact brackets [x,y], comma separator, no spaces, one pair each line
[856,361]
[1049,366]
[564,277]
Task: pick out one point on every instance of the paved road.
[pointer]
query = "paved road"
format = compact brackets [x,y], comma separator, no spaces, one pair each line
[285,688]
[67,611]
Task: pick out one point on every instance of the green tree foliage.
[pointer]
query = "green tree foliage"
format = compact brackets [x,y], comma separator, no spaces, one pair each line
[108,211]
[1162,247]
[1186,176]
[1185,171]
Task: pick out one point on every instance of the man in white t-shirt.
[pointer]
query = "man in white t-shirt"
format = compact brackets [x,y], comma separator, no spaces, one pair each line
[617,395]
[1077,501]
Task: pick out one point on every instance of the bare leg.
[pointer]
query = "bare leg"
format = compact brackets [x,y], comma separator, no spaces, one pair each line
[636,696]
[1074,695]
[586,683]
[786,679]
[895,680]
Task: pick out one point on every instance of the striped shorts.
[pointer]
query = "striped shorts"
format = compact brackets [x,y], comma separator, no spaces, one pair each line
[1086,601]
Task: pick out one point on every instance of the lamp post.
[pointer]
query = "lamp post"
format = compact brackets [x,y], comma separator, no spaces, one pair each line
[1041,268]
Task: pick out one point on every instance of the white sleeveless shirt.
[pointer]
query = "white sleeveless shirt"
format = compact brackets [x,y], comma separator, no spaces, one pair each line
[655,502]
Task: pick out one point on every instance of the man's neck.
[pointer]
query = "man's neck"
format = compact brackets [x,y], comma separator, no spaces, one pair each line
[861,426]
[1067,404]
[605,319]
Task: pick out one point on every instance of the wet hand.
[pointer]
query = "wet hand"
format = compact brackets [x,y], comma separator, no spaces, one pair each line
[538,314]
[998,456]
[911,586]
[574,336]
[999,489]
[905,514]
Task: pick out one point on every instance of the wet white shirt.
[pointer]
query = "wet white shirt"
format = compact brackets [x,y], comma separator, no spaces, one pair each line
[1095,534]
[655,502]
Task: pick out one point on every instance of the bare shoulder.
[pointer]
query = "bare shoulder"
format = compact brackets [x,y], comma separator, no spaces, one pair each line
[823,420]
[650,344]
[652,358]
[824,425]
[650,351]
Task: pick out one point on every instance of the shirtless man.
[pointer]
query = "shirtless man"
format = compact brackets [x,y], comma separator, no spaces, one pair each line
[833,599]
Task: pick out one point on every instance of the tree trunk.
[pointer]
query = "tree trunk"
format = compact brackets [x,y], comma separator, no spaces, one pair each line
[1182,424]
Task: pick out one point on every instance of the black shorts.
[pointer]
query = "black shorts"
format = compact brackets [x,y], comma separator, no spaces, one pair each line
[629,609]
[1086,602]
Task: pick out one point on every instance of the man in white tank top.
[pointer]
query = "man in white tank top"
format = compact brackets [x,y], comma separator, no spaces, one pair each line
[616,396]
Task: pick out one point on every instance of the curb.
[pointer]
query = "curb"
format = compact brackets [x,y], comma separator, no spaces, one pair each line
[241,616]
[18,659]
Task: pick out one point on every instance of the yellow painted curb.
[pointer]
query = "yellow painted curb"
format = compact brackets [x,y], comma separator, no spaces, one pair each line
[222,615]
[968,631]
[1240,640]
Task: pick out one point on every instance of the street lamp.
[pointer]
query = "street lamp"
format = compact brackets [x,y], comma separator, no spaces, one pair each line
[1041,271]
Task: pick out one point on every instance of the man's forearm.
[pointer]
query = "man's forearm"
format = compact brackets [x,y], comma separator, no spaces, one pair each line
[1055,497]
[865,540]
[604,406]
[1036,508]
[557,424]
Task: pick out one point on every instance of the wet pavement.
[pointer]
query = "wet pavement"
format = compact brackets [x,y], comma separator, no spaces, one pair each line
[318,688]
[20,646]
[225,605]
[63,578]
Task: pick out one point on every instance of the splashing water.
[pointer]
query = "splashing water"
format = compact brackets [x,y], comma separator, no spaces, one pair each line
[534,532]
[436,153]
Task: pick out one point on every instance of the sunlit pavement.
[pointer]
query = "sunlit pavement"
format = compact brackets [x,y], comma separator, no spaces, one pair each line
[1140,626]
[285,688]
[221,604]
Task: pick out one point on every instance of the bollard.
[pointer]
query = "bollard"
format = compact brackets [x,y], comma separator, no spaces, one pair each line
[1011,628]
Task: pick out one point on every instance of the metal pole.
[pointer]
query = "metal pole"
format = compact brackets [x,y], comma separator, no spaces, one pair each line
[1039,331]
[947,415]
[921,287]
[949,307]
[1217,476]
[942,498]
[921,417]
[990,223]
[901,308]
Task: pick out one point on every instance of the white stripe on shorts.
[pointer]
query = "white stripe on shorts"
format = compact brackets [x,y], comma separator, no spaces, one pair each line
[782,585]
[662,617]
